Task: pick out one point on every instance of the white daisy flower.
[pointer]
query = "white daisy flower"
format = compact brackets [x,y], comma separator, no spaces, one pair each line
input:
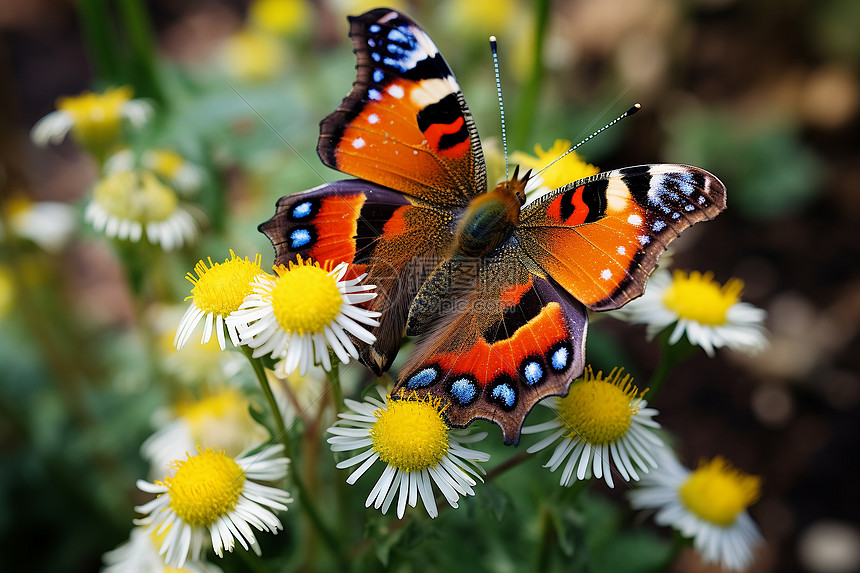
[140,555]
[219,289]
[297,313]
[48,224]
[708,505]
[130,203]
[411,437]
[602,422]
[180,173]
[219,419]
[711,315]
[214,497]
[95,120]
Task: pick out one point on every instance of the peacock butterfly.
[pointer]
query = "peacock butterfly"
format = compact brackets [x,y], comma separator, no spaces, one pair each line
[495,289]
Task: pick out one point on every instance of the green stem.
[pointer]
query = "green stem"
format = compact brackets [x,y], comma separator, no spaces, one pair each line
[305,501]
[142,48]
[670,356]
[101,42]
[547,530]
[253,562]
[336,389]
[531,93]
[280,426]
[511,462]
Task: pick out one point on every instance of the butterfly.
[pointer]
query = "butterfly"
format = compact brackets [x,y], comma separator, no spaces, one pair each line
[495,290]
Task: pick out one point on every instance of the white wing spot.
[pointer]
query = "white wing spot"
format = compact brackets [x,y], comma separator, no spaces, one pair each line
[396,91]
[622,250]
[634,220]
[373,118]
[358,143]
[606,274]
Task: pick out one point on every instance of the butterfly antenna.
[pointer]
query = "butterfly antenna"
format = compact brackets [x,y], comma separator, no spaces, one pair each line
[495,51]
[633,109]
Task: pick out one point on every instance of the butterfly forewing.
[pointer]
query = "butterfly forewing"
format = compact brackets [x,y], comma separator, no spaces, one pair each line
[600,238]
[381,232]
[405,124]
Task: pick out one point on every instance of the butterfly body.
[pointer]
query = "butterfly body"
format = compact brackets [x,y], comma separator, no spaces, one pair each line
[489,220]
[495,289]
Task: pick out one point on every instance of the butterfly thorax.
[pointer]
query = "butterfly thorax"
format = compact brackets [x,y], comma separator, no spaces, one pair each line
[490,219]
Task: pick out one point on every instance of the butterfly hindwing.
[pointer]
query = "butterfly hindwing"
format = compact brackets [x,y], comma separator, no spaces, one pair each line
[506,340]
[376,230]
[405,124]
[600,237]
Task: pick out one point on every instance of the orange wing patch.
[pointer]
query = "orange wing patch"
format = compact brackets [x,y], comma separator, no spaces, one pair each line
[336,226]
[486,361]
[385,143]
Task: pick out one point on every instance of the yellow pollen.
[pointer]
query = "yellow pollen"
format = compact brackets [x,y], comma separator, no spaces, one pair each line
[221,287]
[411,434]
[96,117]
[305,297]
[205,487]
[699,298]
[717,492]
[600,410]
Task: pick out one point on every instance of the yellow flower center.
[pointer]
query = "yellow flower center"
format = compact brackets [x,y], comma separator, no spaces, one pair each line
[96,117]
[599,410]
[7,291]
[699,298]
[305,297]
[221,287]
[138,196]
[568,169]
[17,206]
[278,16]
[205,487]
[410,435]
[717,492]
[254,56]
[222,418]
[226,403]
[165,162]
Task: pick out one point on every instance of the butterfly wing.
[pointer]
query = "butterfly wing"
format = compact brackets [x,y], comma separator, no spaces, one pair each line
[505,340]
[380,232]
[599,238]
[405,124]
